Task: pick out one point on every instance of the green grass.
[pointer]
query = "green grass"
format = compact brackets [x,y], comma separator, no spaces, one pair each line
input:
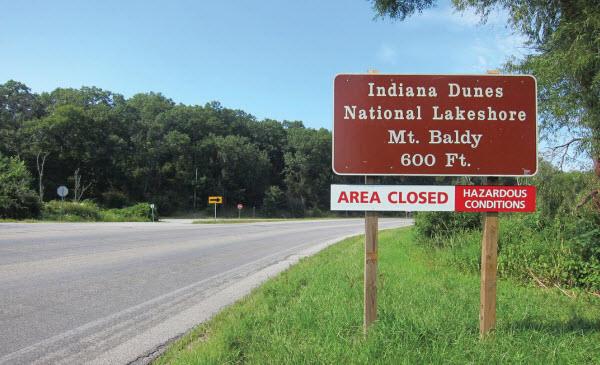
[22,221]
[232,221]
[428,313]
[258,220]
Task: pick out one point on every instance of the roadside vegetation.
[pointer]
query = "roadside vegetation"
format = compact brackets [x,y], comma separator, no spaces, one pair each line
[557,246]
[428,313]
[257,220]
[88,211]
[118,152]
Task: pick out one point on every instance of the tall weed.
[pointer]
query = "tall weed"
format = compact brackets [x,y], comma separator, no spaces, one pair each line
[564,252]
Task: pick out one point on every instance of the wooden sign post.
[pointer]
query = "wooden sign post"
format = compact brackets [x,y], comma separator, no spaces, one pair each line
[371,270]
[434,125]
[489,269]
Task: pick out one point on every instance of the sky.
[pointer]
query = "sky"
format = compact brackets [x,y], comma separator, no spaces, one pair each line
[271,58]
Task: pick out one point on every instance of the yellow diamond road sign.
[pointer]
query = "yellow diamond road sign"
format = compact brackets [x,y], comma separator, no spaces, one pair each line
[215,200]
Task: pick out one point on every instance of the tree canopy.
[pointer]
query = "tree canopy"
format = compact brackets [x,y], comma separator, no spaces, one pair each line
[563,37]
[148,148]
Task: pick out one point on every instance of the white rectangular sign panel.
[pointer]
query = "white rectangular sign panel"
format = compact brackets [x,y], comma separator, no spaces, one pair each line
[392,198]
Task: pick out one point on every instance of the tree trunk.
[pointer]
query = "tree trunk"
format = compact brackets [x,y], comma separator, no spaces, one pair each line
[596,196]
[40,170]
[79,189]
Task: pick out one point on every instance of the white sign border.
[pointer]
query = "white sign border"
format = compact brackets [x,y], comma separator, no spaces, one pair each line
[401,201]
[537,136]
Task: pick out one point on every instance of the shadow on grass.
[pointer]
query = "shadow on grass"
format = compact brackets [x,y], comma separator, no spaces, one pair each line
[574,324]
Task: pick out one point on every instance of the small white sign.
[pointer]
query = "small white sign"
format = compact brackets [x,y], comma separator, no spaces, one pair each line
[392,198]
[62,191]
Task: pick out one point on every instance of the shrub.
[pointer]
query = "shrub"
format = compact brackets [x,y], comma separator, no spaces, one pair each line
[72,212]
[273,201]
[115,199]
[564,252]
[138,213]
[295,207]
[438,226]
[167,204]
[88,211]
[315,212]
[17,200]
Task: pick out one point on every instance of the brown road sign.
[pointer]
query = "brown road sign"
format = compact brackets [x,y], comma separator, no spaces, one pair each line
[215,200]
[434,125]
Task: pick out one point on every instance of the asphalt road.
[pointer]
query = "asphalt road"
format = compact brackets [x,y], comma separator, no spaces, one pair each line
[117,293]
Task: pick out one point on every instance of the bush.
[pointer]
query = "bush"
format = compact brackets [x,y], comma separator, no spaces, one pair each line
[564,252]
[273,201]
[439,226]
[138,213]
[17,200]
[115,199]
[167,204]
[315,212]
[88,211]
[71,212]
[295,207]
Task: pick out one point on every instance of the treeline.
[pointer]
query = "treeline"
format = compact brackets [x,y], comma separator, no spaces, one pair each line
[117,152]
[147,148]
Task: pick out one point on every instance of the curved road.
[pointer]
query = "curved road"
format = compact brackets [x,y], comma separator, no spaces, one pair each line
[117,293]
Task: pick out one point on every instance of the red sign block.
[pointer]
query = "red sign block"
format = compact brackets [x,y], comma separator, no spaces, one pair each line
[495,199]
[434,125]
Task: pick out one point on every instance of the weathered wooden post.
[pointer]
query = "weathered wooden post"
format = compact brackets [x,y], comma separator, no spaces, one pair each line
[489,269]
[371,270]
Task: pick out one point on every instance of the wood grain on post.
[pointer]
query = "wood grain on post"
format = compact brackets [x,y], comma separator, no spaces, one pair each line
[371,243]
[489,269]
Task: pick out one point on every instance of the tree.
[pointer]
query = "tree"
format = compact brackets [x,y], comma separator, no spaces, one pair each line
[40,161]
[270,136]
[273,201]
[17,105]
[79,188]
[564,39]
[17,200]
[75,139]
[308,174]
[243,169]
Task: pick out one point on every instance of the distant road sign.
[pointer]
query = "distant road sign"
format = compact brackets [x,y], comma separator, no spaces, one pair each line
[62,191]
[240,207]
[215,200]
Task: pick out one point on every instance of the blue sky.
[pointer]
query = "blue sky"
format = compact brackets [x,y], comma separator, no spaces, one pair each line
[271,58]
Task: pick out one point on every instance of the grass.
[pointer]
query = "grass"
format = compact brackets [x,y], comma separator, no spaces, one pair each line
[258,220]
[23,221]
[232,221]
[428,313]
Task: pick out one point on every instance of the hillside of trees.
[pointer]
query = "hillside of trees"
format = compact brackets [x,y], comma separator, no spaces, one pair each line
[147,148]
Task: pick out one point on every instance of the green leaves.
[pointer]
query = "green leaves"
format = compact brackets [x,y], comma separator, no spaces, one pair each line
[400,9]
[17,200]
[147,148]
